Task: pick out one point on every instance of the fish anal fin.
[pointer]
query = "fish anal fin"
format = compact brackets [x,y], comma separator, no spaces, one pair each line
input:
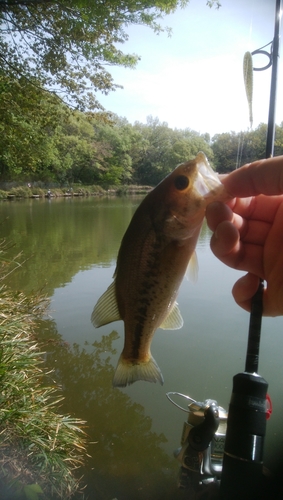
[106,309]
[128,372]
[192,269]
[173,320]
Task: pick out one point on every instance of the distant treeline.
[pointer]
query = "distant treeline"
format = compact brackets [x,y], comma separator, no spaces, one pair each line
[50,143]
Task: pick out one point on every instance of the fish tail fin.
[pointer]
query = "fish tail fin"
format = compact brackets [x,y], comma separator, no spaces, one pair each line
[128,372]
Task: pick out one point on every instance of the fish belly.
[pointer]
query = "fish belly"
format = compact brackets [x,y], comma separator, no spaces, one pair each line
[146,293]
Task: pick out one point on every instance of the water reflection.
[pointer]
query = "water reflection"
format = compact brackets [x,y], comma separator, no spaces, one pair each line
[71,246]
[127,460]
[61,236]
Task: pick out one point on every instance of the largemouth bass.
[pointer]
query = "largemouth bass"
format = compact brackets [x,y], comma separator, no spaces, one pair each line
[156,250]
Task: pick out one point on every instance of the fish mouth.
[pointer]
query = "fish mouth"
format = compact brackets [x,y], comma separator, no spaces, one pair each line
[207,181]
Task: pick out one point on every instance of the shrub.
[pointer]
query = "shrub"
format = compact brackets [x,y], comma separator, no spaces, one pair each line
[21,192]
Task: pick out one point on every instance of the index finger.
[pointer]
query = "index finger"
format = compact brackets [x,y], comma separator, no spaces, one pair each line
[259,177]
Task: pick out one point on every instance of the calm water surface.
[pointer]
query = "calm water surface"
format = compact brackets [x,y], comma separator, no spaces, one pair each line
[70,247]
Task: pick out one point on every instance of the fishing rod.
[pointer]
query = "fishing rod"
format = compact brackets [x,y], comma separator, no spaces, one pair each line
[242,471]
[227,449]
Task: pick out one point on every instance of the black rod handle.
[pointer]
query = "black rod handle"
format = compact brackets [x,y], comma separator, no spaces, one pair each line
[252,357]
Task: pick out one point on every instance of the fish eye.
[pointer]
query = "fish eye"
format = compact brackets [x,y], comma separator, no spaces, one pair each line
[181,182]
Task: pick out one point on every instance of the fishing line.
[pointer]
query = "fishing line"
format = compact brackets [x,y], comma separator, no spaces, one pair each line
[240,148]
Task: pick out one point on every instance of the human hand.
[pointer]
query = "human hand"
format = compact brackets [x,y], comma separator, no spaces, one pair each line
[248,231]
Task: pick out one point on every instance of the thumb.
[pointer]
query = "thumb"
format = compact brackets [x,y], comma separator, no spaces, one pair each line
[244,290]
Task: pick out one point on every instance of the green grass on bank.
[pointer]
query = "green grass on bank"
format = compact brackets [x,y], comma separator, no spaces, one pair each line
[40,449]
[39,192]
[18,192]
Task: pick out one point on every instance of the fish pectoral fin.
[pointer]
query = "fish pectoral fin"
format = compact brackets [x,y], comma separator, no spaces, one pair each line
[173,320]
[128,372]
[106,309]
[192,269]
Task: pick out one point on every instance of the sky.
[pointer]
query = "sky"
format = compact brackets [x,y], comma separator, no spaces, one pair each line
[194,79]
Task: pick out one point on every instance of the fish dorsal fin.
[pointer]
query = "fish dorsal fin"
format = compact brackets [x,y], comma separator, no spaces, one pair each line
[192,269]
[174,320]
[106,309]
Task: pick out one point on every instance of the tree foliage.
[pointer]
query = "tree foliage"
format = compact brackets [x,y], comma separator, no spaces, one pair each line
[52,144]
[28,127]
[161,148]
[68,46]
[54,57]
[231,150]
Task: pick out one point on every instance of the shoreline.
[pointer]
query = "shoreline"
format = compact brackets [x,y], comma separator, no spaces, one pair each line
[20,193]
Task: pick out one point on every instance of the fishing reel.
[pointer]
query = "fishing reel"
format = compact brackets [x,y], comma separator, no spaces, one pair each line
[202,443]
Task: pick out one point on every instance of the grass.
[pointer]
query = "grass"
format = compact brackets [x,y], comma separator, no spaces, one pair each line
[3,194]
[39,448]
[76,190]
[133,189]
[30,192]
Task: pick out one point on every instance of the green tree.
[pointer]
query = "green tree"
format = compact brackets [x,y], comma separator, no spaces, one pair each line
[41,139]
[254,145]
[227,151]
[27,125]
[231,150]
[78,153]
[67,46]
[278,143]
[162,148]
[98,150]
[117,137]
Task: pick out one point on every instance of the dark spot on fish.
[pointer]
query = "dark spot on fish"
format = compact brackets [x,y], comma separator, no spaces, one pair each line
[142,310]
[137,338]
[155,246]
[197,203]
[181,182]
[148,274]
[144,285]
[147,286]
[145,301]
[140,320]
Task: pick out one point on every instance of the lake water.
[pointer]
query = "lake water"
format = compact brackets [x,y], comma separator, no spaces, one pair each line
[70,248]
